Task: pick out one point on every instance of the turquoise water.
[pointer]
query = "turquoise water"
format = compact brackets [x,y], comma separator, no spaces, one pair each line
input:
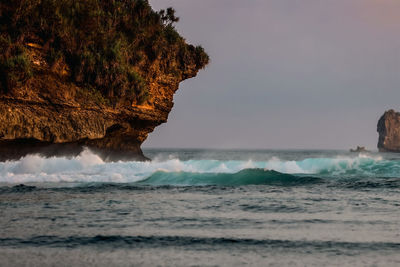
[202,207]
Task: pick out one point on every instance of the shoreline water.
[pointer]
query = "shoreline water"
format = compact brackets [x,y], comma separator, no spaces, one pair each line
[191,207]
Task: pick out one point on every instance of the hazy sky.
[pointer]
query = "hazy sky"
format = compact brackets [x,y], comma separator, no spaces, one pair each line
[285,73]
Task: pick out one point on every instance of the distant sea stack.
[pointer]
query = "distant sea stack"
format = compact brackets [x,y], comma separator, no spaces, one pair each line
[96,73]
[389,132]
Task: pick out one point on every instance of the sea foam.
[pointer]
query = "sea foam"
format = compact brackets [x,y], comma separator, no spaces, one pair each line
[88,167]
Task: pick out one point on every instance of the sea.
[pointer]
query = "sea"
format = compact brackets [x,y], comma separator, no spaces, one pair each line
[197,207]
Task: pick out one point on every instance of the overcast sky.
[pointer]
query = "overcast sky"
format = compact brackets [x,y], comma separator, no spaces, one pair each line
[285,73]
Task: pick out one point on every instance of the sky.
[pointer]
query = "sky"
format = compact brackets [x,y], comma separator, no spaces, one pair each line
[285,74]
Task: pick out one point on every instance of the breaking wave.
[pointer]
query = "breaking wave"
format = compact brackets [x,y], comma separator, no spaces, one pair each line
[89,168]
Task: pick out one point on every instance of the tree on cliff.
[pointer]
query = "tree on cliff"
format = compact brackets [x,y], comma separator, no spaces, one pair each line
[104,44]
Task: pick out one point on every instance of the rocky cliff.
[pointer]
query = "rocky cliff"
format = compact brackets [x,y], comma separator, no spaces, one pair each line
[97,73]
[389,132]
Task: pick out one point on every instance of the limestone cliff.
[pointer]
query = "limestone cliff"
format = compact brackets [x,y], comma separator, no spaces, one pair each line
[389,132]
[64,88]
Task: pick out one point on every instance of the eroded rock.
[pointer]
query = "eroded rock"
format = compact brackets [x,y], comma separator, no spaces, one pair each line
[389,132]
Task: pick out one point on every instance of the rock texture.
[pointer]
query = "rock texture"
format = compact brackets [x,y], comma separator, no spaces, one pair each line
[389,132]
[98,74]
[51,116]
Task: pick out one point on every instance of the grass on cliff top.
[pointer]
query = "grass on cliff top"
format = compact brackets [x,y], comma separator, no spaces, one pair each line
[107,44]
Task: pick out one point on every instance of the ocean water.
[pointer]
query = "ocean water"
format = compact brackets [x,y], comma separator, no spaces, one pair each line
[202,208]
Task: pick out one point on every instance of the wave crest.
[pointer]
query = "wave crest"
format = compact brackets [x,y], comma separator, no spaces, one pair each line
[89,168]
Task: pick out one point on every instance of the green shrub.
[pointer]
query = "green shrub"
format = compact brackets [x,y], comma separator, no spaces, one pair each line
[101,41]
[15,69]
[90,94]
[171,34]
[202,59]
[140,90]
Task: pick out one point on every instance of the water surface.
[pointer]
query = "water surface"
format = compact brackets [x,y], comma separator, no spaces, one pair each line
[202,207]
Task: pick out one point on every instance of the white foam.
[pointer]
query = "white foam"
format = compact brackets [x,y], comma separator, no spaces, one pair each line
[88,167]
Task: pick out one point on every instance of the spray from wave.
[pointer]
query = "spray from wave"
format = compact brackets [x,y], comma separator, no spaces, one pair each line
[89,168]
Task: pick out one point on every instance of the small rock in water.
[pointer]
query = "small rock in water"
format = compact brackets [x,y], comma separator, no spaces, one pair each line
[359,149]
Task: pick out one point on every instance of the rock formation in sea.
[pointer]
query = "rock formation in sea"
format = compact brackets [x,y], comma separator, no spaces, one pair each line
[389,132]
[98,73]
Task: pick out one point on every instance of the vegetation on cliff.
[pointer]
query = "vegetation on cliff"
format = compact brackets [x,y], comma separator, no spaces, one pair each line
[106,46]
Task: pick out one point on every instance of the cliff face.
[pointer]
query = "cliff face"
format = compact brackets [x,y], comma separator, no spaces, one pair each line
[57,106]
[389,132]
